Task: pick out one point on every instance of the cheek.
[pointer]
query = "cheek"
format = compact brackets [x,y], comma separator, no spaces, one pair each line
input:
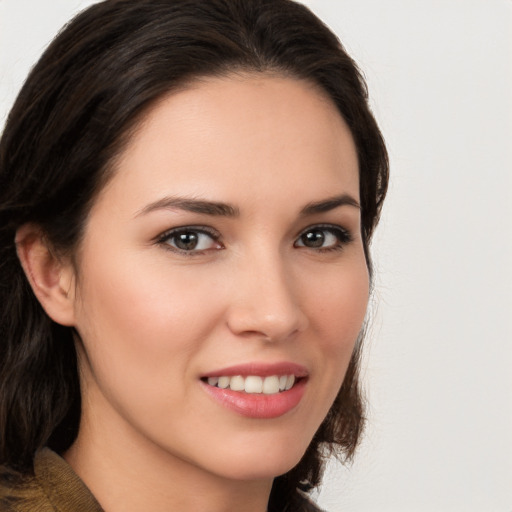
[337,312]
[338,304]
[144,327]
[139,331]
[131,298]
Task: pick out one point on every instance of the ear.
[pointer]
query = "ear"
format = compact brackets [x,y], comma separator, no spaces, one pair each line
[51,279]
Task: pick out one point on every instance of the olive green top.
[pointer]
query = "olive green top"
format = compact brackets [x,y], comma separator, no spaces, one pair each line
[55,487]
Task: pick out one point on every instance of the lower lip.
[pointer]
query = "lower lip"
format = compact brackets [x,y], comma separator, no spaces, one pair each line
[258,405]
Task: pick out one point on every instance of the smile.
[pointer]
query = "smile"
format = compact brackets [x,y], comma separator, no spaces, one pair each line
[254,384]
[258,390]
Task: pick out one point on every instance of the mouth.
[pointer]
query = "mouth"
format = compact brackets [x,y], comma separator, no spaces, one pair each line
[258,391]
[254,384]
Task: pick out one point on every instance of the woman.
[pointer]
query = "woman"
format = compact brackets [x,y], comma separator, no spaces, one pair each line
[188,193]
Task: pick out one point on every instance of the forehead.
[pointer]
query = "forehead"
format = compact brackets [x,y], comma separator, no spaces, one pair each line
[241,136]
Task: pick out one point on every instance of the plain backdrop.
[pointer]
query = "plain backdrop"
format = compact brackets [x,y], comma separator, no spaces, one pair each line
[438,367]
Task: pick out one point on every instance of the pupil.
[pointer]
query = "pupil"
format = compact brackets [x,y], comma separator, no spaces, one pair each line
[186,241]
[313,238]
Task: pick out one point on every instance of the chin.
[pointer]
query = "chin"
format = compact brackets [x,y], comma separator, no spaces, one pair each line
[263,461]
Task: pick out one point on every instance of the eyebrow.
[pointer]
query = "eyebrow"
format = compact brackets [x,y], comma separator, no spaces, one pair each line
[191,205]
[329,204]
[219,209]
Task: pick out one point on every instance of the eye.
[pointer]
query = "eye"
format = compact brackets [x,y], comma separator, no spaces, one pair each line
[324,238]
[190,239]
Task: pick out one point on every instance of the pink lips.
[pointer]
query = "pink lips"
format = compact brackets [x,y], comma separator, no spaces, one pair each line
[262,369]
[259,405]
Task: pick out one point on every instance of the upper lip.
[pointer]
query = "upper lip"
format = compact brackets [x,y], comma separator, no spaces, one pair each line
[260,369]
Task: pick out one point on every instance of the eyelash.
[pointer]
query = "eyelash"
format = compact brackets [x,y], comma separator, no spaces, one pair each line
[342,235]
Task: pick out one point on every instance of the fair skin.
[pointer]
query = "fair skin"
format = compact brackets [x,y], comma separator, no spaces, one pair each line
[275,280]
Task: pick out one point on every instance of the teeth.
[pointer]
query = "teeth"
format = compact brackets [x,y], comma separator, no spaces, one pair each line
[223,382]
[237,383]
[254,384]
[213,381]
[271,385]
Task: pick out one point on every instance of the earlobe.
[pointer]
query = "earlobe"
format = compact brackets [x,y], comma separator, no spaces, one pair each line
[51,279]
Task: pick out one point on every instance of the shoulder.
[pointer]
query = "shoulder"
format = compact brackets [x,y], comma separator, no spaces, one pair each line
[53,487]
[21,493]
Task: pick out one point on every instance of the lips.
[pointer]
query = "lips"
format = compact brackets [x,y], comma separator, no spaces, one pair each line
[257,390]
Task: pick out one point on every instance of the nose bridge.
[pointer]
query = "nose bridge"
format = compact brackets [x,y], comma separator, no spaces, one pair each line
[266,302]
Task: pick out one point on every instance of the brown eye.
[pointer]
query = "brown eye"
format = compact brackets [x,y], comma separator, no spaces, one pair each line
[186,241]
[324,238]
[190,240]
[313,238]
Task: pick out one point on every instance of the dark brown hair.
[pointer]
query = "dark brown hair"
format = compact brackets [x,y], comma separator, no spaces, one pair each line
[72,117]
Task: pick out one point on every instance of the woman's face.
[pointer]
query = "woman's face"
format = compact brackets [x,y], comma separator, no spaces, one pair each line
[225,251]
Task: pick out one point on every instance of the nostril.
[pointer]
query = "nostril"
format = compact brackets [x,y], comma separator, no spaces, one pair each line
[273,327]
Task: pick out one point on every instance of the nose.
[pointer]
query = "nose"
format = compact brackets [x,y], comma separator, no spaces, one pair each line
[265,301]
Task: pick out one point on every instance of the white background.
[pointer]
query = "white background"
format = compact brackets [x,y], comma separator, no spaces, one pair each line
[439,355]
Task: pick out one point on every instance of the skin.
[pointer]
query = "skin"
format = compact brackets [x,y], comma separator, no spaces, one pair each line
[152,320]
